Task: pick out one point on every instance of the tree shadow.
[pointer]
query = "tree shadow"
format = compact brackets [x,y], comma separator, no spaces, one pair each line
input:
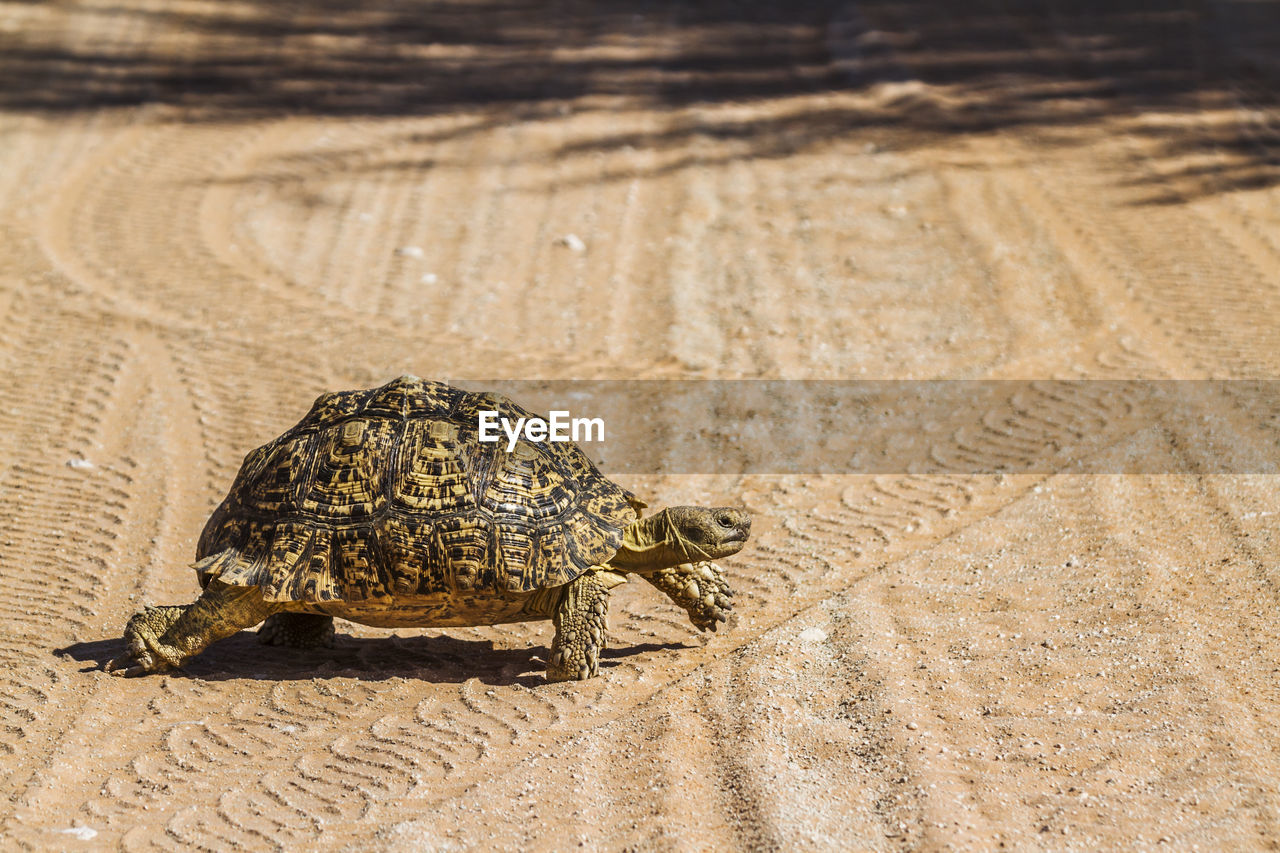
[440,659]
[903,74]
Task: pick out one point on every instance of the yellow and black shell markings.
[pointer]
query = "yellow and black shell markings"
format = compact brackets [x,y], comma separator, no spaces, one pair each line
[390,492]
[349,475]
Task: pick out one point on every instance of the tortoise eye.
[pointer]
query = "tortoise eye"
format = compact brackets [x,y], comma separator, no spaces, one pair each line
[724,520]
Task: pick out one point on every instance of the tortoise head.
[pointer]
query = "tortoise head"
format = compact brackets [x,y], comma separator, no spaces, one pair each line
[683,534]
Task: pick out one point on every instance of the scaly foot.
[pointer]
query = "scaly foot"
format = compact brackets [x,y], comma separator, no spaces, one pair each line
[700,588]
[580,622]
[144,651]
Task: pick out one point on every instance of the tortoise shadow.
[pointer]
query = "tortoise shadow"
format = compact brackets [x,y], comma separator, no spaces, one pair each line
[440,659]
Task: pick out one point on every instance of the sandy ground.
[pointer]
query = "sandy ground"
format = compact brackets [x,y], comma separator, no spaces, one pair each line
[211,211]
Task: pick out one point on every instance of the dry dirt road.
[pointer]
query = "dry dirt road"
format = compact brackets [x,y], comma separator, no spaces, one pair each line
[211,211]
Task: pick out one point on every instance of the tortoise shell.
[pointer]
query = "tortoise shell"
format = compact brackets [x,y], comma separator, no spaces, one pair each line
[390,491]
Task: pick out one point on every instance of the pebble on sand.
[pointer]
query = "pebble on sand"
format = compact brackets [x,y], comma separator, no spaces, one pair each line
[573,242]
[813,635]
[79,464]
[410,251]
[83,833]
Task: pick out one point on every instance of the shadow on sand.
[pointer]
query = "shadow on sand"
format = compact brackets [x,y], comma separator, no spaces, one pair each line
[1036,64]
[438,659]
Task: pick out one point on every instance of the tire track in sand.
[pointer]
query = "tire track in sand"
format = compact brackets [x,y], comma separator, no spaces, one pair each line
[65,555]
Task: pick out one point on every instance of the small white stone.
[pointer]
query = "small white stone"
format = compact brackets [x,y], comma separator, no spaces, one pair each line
[813,635]
[410,251]
[573,242]
[80,465]
[430,278]
[83,833]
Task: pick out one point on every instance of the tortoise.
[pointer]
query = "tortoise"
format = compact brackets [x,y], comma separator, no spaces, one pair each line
[383,507]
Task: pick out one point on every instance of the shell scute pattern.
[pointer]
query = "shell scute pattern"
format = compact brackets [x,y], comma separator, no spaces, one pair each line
[411,397]
[252,548]
[349,479]
[284,471]
[464,543]
[332,407]
[529,487]
[364,574]
[389,491]
[517,559]
[584,537]
[434,472]
[415,555]
[314,580]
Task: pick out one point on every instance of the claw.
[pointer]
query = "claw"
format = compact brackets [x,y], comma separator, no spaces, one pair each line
[127,666]
[130,672]
[137,660]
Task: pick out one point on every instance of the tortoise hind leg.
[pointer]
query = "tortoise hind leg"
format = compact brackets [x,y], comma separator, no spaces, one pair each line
[161,638]
[154,621]
[299,630]
[581,617]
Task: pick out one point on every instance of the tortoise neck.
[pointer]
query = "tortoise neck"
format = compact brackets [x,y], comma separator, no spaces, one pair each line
[652,544]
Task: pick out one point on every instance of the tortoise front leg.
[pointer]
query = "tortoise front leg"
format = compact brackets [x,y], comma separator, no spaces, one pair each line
[700,588]
[161,638]
[580,618]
